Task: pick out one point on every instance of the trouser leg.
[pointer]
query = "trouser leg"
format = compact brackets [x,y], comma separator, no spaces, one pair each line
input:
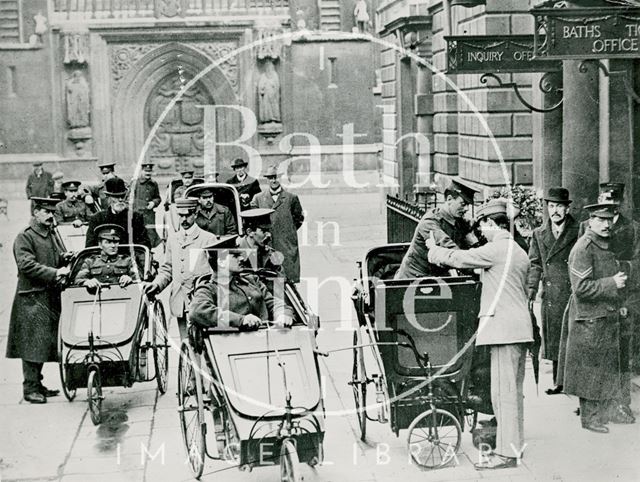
[591,412]
[182,327]
[507,376]
[32,375]
[624,397]
[555,372]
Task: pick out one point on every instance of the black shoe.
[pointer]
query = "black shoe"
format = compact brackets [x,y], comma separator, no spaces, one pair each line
[497,462]
[35,397]
[596,427]
[554,391]
[48,393]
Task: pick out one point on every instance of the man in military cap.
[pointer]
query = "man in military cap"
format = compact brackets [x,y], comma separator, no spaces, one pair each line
[246,185]
[549,252]
[72,210]
[95,195]
[39,183]
[187,180]
[592,369]
[286,220]
[146,198]
[33,327]
[118,213]
[213,217]
[257,238]
[108,267]
[450,230]
[185,261]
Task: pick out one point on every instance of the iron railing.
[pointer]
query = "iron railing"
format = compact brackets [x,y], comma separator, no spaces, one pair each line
[402,219]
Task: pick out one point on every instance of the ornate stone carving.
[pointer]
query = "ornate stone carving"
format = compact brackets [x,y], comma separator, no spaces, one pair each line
[76,48]
[78,110]
[267,47]
[269,101]
[123,57]
[168,8]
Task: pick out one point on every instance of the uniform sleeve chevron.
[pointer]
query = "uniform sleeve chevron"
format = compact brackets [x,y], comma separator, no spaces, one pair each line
[582,274]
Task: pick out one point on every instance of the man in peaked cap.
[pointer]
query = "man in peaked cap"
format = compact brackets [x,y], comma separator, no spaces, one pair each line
[211,216]
[257,237]
[39,183]
[592,368]
[246,185]
[184,261]
[504,322]
[187,180]
[118,213]
[33,326]
[72,209]
[549,252]
[95,195]
[107,267]
[146,198]
[450,231]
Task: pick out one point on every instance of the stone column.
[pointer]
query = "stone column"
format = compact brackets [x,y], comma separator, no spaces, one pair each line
[580,137]
[547,139]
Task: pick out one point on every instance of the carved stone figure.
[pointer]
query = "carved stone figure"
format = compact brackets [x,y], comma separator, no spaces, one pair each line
[75,48]
[78,103]
[269,94]
[361,16]
[41,24]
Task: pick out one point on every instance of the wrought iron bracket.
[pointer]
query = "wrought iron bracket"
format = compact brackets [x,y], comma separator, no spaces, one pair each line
[631,93]
[548,84]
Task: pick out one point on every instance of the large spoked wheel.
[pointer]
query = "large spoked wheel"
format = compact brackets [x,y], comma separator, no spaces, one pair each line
[289,462]
[160,347]
[191,410]
[434,438]
[359,384]
[94,396]
[68,393]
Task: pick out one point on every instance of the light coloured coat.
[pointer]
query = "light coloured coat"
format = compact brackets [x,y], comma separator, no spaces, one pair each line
[504,316]
[184,262]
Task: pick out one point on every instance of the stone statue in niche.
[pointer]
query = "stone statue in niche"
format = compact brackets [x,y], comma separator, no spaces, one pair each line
[361,16]
[39,30]
[75,48]
[269,94]
[78,102]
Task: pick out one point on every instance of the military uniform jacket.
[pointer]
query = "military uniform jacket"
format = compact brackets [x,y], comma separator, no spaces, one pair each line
[592,364]
[106,269]
[549,257]
[139,232]
[68,211]
[184,263]
[218,221]
[224,305]
[39,186]
[145,191]
[247,189]
[33,327]
[449,232]
[286,220]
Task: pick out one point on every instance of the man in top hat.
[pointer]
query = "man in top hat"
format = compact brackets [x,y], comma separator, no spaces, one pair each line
[504,321]
[72,210]
[184,261]
[592,368]
[118,213]
[39,183]
[58,180]
[549,252]
[187,180]
[246,185]
[146,198]
[450,230]
[213,217]
[257,238]
[95,195]
[286,220]
[33,327]
[107,267]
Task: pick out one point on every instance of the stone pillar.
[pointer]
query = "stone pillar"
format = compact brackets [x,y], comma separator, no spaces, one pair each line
[580,138]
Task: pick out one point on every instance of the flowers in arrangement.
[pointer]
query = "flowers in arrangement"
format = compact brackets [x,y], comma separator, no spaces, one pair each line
[527,202]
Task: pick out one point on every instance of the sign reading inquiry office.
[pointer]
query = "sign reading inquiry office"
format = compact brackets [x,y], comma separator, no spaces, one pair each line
[587,33]
[500,53]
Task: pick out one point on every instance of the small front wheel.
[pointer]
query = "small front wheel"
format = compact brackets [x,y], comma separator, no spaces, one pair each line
[68,393]
[94,396]
[434,438]
[289,462]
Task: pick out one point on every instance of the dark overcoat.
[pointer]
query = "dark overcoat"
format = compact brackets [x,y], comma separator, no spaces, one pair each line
[39,186]
[33,327]
[549,257]
[247,189]
[138,230]
[285,221]
[219,221]
[145,191]
[592,362]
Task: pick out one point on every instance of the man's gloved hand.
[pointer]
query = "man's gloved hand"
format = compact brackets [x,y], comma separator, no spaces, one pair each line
[250,322]
[532,294]
[91,284]
[283,321]
[149,287]
[195,337]
[88,199]
[151,205]
[62,272]
[77,223]
[125,280]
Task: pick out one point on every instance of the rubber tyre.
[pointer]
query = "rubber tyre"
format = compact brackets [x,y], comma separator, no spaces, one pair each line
[359,385]
[68,394]
[94,396]
[289,462]
[160,347]
[434,438]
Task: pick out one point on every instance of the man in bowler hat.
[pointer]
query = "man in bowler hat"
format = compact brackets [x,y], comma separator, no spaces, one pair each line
[246,185]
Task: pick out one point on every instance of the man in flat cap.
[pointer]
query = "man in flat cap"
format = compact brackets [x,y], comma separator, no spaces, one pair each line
[213,217]
[549,252]
[146,198]
[33,327]
[185,261]
[39,183]
[246,185]
[286,220]
[257,227]
[72,210]
[504,322]
[450,230]
[118,213]
[592,369]
[107,267]
[187,180]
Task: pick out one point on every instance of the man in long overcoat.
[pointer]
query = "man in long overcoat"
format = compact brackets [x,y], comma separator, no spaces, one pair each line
[39,183]
[33,328]
[146,198]
[184,262]
[549,252]
[246,185]
[592,365]
[286,220]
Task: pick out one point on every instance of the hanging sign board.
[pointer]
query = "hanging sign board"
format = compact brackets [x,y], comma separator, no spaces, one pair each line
[472,54]
[587,33]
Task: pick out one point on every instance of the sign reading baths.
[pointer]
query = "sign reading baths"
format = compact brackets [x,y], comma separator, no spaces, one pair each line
[587,33]
[500,53]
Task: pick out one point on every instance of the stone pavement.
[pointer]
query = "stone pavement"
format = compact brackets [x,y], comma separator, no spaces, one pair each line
[140,438]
